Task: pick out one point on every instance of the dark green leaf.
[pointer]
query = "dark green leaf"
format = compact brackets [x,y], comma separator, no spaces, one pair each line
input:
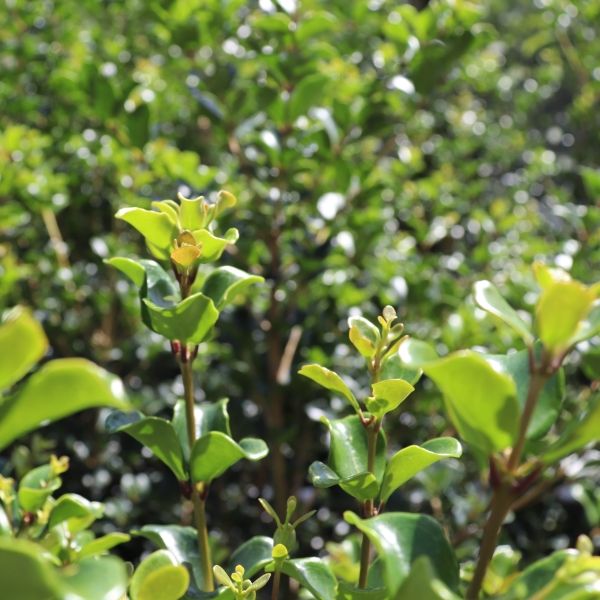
[224,283]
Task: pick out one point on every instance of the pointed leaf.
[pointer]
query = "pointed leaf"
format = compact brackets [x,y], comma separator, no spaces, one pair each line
[330,380]
[156,227]
[22,344]
[225,283]
[401,538]
[156,434]
[487,297]
[215,452]
[43,399]
[312,574]
[388,395]
[159,577]
[103,544]
[409,461]
[480,400]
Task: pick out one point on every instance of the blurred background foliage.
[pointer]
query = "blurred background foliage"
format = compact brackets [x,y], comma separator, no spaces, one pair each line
[383,152]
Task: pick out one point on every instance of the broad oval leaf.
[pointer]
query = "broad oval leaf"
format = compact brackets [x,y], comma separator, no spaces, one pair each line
[159,577]
[416,353]
[487,297]
[364,335]
[156,434]
[213,246]
[394,368]
[156,227]
[133,269]
[401,538]
[409,461]
[423,584]
[36,487]
[253,555]
[225,283]
[330,380]
[312,574]
[215,452]
[60,388]
[481,401]
[78,511]
[361,486]
[102,578]
[22,344]
[388,395]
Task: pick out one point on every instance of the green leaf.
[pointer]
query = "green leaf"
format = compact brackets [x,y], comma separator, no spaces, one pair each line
[213,246]
[159,577]
[364,335]
[394,368]
[103,544]
[348,460]
[225,283]
[103,578]
[253,555]
[409,461]
[209,416]
[487,297]
[560,310]
[138,125]
[156,227]
[306,94]
[35,488]
[415,353]
[215,452]
[22,344]
[43,399]
[156,434]
[330,380]
[401,538]
[550,399]
[578,434]
[349,592]
[422,583]
[312,574]
[480,400]
[78,511]
[181,542]
[388,395]
[19,557]
[133,269]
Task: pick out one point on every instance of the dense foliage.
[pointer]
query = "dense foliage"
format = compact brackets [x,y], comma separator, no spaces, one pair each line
[381,154]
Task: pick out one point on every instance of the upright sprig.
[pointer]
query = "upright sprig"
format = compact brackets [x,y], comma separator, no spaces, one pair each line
[500,404]
[196,445]
[357,458]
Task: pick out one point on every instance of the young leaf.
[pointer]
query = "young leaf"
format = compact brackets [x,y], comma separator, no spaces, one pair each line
[133,269]
[159,577]
[364,335]
[103,544]
[213,246]
[481,401]
[79,512]
[312,574]
[330,380]
[487,297]
[401,538]
[156,227]
[156,434]
[215,452]
[388,395]
[409,461]
[43,399]
[22,344]
[35,488]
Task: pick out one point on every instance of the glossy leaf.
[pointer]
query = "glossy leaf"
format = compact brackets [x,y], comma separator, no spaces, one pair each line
[209,416]
[213,246]
[487,297]
[330,380]
[480,400]
[415,353]
[103,544]
[22,344]
[35,488]
[580,432]
[103,578]
[19,557]
[133,269]
[43,399]
[225,283]
[156,434]
[388,395]
[159,577]
[349,592]
[550,399]
[422,583]
[253,555]
[394,368]
[312,574]
[409,461]
[348,460]
[215,452]
[364,335]
[78,511]
[401,538]
[156,227]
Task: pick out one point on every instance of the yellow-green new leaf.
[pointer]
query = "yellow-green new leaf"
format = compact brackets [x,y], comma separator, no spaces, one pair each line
[159,577]
[22,344]
[330,380]
[157,228]
[388,395]
[364,335]
[60,388]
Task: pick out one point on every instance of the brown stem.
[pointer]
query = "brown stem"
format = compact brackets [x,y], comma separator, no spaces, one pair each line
[198,495]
